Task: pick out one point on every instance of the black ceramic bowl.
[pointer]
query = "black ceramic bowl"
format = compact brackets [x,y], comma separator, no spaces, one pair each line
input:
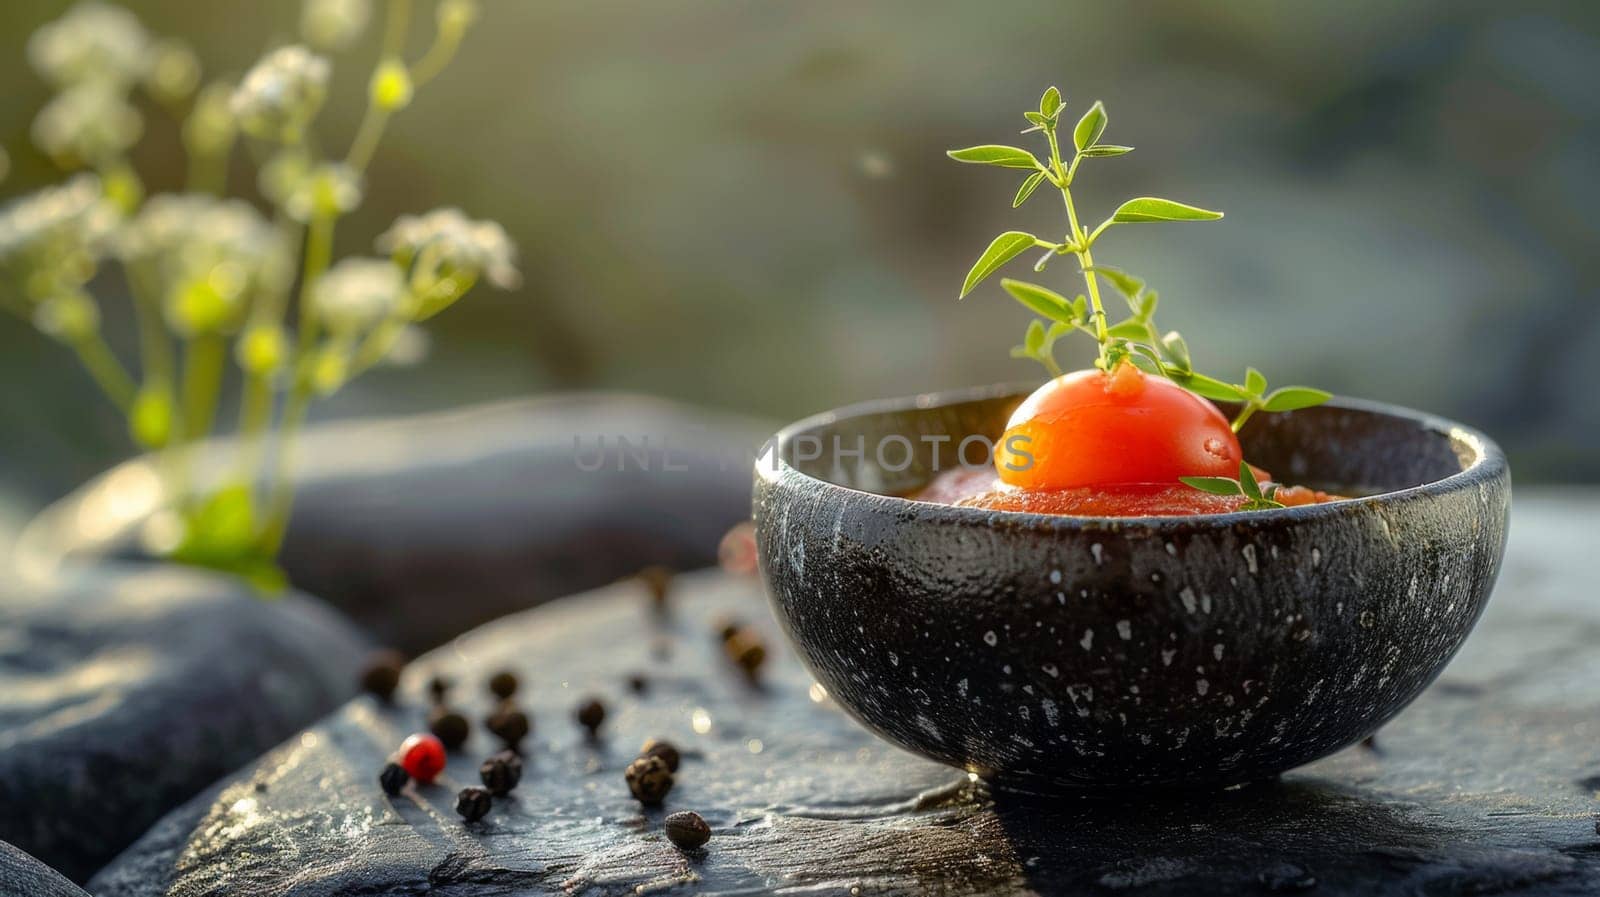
[1150,651]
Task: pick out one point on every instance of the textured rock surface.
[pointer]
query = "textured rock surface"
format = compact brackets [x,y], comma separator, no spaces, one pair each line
[1485,785]
[23,876]
[420,528]
[126,691]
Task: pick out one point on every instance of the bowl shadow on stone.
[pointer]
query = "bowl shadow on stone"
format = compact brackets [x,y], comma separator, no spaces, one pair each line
[1275,837]
[1154,652]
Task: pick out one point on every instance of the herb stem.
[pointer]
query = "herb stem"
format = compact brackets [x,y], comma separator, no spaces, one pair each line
[376,117]
[1079,244]
[436,58]
[318,253]
[155,348]
[106,370]
[1080,248]
[202,382]
[1244,415]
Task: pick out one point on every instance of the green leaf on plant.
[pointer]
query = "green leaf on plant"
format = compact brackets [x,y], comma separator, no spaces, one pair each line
[1036,118]
[1213,485]
[1050,103]
[1176,351]
[1210,387]
[1041,301]
[1147,304]
[1132,328]
[1029,184]
[1247,481]
[1126,283]
[1293,398]
[1090,127]
[1101,150]
[1005,247]
[1035,337]
[1057,330]
[1255,382]
[994,154]
[1149,208]
[1146,364]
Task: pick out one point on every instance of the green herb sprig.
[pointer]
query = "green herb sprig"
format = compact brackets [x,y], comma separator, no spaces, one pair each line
[1136,338]
[1256,497]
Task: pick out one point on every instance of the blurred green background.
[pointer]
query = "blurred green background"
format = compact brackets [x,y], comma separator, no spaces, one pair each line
[747,205]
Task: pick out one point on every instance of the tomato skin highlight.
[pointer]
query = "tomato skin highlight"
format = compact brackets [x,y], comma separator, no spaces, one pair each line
[1091,428]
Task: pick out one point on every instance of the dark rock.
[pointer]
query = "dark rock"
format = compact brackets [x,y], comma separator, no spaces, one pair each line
[420,528]
[125,691]
[1470,795]
[24,876]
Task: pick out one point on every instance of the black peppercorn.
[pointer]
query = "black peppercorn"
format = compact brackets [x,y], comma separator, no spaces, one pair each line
[648,779]
[381,676]
[637,683]
[658,585]
[747,651]
[393,778]
[501,772]
[590,714]
[687,830]
[726,628]
[438,689]
[655,747]
[509,724]
[473,803]
[503,684]
[450,727]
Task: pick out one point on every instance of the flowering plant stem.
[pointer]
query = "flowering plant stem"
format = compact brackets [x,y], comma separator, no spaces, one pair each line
[318,254]
[212,270]
[106,370]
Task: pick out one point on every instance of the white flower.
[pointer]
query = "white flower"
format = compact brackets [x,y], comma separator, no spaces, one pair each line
[174,71]
[334,24]
[209,254]
[452,242]
[88,123]
[72,221]
[325,190]
[93,42]
[357,293]
[281,93]
[193,227]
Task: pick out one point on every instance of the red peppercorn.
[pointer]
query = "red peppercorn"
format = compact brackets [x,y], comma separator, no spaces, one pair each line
[422,756]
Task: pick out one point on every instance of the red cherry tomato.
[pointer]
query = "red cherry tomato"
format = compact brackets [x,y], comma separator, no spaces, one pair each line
[422,757]
[1091,428]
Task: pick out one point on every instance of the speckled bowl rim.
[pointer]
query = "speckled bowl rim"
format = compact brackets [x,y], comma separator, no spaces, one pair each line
[1489,464]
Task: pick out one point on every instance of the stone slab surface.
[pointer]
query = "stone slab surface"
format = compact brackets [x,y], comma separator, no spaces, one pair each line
[1486,785]
[126,691]
[23,876]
